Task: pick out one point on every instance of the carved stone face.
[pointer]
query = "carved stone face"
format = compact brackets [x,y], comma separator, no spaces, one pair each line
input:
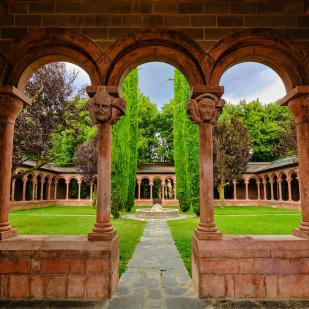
[102,112]
[207,108]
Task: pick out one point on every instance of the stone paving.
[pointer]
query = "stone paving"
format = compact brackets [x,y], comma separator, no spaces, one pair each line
[156,276]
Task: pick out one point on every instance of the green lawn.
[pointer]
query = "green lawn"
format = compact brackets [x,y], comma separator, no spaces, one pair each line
[27,222]
[271,221]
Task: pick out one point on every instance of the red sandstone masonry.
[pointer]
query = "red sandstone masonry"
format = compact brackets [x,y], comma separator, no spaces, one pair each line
[277,268]
[58,268]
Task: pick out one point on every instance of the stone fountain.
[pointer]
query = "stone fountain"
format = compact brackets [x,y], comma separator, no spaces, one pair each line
[157,212]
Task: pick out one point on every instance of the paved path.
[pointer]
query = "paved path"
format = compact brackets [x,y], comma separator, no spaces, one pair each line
[156,276]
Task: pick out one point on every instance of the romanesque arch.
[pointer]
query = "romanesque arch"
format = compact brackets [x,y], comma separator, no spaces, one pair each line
[21,59]
[266,46]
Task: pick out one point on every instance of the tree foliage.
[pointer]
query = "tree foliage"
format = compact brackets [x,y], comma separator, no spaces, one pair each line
[186,146]
[50,89]
[265,123]
[231,153]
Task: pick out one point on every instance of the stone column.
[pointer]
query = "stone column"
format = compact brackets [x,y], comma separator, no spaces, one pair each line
[265,190]
[258,189]
[204,111]
[67,184]
[55,191]
[11,104]
[13,190]
[235,190]
[138,190]
[24,188]
[271,190]
[298,103]
[104,110]
[279,189]
[288,179]
[33,189]
[162,191]
[42,189]
[247,189]
[151,187]
[79,189]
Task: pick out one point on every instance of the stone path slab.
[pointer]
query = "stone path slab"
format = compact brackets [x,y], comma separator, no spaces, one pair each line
[156,276]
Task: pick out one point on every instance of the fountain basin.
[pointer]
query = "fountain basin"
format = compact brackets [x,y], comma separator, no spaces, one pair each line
[157,212]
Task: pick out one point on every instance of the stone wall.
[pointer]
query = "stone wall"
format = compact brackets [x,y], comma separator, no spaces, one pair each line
[251,267]
[46,267]
[104,22]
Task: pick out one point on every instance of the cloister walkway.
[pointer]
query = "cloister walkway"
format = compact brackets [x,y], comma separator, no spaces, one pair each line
[156,276]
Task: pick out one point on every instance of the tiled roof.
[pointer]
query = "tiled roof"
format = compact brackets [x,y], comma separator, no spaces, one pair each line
[156,168]
[258,167]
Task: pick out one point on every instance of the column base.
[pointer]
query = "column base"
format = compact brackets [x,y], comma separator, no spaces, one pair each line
[8,234]
[94,236]
[302,231]
[102,231]
[207,231]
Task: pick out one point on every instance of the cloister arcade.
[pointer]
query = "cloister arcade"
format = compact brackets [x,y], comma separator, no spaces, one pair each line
[202,39]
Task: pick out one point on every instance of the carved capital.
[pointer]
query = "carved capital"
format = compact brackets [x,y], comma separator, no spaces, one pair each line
[206,108]
[104,108]
[300,109]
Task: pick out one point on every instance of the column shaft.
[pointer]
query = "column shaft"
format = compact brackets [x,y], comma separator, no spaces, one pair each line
[13,190]
[206,228]
[103,229]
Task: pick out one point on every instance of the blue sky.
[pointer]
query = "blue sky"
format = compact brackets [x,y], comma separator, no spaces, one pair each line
[249,80]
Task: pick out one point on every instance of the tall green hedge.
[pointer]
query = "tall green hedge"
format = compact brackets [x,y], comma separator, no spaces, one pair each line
[186,147]
[124,149]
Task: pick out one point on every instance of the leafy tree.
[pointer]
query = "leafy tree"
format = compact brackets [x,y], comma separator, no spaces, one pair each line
[147,129]
[50,89]
[231,153]
[164,148]
[288,144]
[265,124]
[186,147]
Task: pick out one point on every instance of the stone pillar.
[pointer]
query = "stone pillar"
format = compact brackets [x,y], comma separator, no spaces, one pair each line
[288,179]
[24,188]
[55,191]
[162,191]
[279,189]
[138,190]
[33,189]
[247,189]
[13,190]
[235,190]
[298,103]
[11,104]
[151,187]
[258,189]
[79,189]
[265,190]
[42,189]
[271,190]
[104,110]
[67,187]
[204,111]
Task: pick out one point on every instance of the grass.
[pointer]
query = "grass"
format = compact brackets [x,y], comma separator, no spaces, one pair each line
[129,231]
[270,221]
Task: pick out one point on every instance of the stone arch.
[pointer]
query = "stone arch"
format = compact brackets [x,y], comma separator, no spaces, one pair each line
[145,187]
[295,194]
[268,187]
[266,46]
[167,46]
[241,189]
[284,186]
[157,187]
[21,59]
[61,188]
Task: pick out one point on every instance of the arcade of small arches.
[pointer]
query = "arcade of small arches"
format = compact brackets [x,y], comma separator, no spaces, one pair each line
[280,187]
[155,187]
[38,187]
